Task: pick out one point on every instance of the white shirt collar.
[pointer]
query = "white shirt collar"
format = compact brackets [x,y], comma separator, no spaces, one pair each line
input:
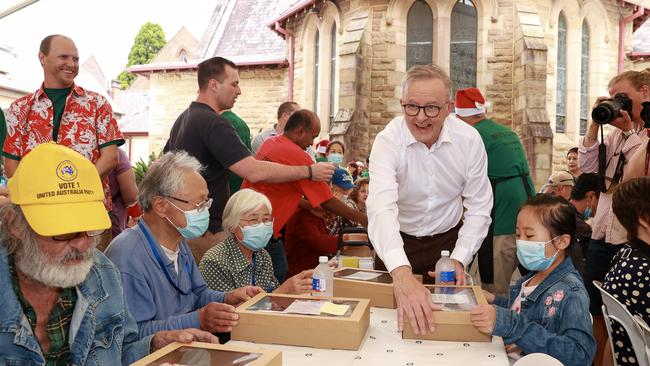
[444,136]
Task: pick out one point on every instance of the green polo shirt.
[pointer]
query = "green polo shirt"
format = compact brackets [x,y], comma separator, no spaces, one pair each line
[244,133]
[506,158]
[58,325]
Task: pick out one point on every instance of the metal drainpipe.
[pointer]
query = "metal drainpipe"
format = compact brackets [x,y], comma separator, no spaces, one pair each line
[622,30]
[288,34]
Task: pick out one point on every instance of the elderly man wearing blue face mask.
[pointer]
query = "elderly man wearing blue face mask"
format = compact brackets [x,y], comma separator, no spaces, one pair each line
[162,283]
[239,260]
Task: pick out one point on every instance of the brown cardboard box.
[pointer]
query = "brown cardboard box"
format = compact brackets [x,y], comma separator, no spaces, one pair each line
[261,320]
[453,325]
[211,354]
[378,290]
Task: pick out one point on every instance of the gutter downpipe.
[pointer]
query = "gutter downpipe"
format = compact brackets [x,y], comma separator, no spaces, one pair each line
[286,33]
[622,30]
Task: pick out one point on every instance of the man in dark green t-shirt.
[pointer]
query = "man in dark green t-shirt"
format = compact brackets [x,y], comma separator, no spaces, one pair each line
[244,133]
[511,184]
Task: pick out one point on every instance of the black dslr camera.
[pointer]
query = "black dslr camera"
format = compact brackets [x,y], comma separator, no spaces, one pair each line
[610,109]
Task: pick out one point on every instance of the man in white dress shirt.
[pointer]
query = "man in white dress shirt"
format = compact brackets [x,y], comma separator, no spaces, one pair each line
[425,166]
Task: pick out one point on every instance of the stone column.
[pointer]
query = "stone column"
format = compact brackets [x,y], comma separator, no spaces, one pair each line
[530,120]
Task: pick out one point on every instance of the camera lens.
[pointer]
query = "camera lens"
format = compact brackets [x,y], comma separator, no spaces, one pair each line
[602,114]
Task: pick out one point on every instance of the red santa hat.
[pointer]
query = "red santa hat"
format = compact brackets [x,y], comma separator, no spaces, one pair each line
[470,102]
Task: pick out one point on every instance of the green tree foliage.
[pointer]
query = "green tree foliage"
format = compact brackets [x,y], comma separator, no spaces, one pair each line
[149,40]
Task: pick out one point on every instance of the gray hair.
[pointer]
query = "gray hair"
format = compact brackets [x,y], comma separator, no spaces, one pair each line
[19,223]
[243,201]
[426,72]
[165,177]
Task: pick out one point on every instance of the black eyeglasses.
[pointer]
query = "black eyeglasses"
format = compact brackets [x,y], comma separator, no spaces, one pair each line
[205,205]
[72,236]
[430,110]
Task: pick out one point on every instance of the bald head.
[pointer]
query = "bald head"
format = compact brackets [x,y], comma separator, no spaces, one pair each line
[46,43]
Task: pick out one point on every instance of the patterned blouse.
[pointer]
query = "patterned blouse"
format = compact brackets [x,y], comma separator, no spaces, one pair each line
[225,268]
[629,282]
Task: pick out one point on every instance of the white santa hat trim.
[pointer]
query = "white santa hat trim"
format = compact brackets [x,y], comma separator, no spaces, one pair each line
[470,102]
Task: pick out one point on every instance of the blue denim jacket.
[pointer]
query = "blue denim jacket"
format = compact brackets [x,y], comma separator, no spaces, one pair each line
[102,331]
[554,319]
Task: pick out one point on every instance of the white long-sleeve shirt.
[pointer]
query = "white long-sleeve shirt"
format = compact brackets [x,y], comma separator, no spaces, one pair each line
[421,191]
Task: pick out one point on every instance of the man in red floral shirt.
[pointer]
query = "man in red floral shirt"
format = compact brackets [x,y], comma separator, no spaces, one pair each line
[63,112]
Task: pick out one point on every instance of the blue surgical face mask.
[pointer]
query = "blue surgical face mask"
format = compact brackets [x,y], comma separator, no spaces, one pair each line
[335,158]
[256,236]
[197,222]
[587,213]
[531,255]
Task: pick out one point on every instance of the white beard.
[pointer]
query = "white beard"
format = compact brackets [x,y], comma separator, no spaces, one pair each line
[39,267]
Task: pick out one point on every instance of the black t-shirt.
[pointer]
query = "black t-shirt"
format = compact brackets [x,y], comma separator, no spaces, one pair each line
[212,140]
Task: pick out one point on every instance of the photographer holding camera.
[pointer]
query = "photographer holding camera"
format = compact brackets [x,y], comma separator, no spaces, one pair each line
[622,110]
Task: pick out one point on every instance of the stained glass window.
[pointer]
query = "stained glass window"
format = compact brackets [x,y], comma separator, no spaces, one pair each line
[560,89]
[464,28]
[419,35]
[584,79]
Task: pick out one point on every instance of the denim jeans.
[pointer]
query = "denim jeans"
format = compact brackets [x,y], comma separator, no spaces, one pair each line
[275,248]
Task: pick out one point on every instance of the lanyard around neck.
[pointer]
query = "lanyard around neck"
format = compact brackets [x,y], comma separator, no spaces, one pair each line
[162,266]
[253,274]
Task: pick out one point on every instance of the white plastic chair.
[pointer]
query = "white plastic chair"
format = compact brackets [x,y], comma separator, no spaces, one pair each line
[613,309]
[537,359]
[646,333]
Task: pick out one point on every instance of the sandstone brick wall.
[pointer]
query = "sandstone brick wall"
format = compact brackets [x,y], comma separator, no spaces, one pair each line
[169,93]
[263,90]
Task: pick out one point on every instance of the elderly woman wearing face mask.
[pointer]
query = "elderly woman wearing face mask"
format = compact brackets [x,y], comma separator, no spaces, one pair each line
[240,258]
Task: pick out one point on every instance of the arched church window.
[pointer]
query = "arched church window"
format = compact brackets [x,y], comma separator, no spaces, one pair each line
[419,35]
[464,32]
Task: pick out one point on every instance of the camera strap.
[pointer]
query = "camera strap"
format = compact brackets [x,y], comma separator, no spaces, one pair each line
[647,158]
[602,162]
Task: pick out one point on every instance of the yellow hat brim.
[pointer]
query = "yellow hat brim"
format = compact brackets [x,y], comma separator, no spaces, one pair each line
[65,218]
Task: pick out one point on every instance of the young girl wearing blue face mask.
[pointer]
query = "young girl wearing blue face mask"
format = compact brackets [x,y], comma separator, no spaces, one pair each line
[241,260]
[335,153]
[547,311]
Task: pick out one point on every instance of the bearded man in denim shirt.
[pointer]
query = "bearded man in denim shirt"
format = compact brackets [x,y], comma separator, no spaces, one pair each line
[63,302]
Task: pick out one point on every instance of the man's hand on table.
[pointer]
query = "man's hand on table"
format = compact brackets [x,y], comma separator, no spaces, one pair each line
[413,301]
[165,337]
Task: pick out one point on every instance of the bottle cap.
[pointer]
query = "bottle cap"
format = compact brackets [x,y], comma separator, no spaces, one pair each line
[444,253]
[322,259]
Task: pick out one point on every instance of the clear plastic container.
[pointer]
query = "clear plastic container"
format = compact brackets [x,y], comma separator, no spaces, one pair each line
[445,270]
[323,283]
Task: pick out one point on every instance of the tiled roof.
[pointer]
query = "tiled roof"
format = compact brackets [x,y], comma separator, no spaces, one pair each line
[245,32]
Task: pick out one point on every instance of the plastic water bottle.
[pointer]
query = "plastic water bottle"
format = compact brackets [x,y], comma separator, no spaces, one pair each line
[323,283]
[445,270]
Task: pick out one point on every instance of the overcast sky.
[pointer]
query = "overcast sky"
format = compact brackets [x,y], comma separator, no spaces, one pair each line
[103,28]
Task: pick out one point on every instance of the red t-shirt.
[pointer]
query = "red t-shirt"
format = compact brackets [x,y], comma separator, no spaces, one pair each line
[305,240]
[285,197]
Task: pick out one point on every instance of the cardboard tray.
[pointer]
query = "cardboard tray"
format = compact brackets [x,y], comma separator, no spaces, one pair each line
[210,354]
[318,331]
[379,291]
[452,325]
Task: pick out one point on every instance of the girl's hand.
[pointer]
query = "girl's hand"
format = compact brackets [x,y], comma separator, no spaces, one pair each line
[483,317]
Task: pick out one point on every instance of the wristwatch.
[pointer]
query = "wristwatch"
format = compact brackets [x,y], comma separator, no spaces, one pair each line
[629,133]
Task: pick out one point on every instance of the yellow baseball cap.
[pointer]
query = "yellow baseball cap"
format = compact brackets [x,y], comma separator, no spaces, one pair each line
[59,191]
